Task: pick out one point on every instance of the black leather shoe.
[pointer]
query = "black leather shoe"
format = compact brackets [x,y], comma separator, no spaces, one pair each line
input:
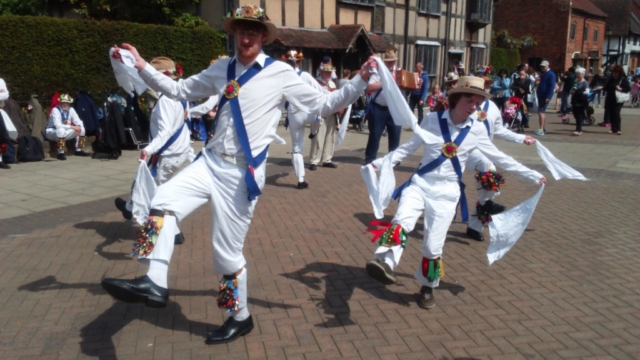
[303,185]
[496,208]
[4,166]
[313,167]
[311,136]
[425,298]
[380,271]
[330,165]
[61,156]
[81,153]
[140,290]
[179,239]
[475,235]
[231,330]
[122,206]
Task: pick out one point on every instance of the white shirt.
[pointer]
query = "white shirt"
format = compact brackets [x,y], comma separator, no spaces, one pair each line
[205,107]
[476,139]
[375,78]
[494,119]
[261,99]
[55,119]
[307,79]
[166,119]
[4,92]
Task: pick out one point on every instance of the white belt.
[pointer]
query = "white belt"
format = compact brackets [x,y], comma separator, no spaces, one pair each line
[240,161]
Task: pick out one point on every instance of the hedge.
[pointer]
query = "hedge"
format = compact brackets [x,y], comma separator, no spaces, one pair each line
[42,55]
[505,59]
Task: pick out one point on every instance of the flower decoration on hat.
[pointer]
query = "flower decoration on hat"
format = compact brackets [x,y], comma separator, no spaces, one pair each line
[251,12]
[449,149]
[65,98]
[177,72]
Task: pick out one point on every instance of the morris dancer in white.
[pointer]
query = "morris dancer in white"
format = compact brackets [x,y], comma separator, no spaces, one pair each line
[169,148]
[488,180]
[436,187]
[231,169]
[297,119]
[64,124]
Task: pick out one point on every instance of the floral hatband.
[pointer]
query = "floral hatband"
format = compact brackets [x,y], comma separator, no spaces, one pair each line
[251,12]
[177,72]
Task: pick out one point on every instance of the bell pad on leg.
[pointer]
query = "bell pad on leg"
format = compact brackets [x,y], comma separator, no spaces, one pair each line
[148,234]
[432,269]
[228,298]
[389,235]
[490,180]
[62,145]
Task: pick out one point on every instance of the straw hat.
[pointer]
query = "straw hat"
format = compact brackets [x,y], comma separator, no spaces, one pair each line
[219,58]
[390,55]
[327,67]
[65,98]
[167,66]
[470,85]
[451,77]
[250,13]
[293,55]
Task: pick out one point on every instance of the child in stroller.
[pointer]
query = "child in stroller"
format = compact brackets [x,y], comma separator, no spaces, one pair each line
[511,115]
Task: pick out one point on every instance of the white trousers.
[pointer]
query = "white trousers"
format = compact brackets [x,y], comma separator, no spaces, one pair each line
[209,178]
[438,199]
[64,133]
[478,162]
[323,144]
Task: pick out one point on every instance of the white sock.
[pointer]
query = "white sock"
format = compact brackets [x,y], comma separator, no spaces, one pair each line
[60,151]
[301,179]
[158,271]
[78,148]
[243,312]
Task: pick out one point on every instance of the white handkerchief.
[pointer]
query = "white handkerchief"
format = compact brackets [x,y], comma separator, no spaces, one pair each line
[144,188]
[558,169]
[343,126]
[126,74]
[507,227]
[380,190]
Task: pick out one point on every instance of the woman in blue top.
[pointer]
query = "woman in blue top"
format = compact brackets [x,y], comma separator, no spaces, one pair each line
[500,89]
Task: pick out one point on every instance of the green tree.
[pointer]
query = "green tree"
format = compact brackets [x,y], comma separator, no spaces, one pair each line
[23,7]
[163,12]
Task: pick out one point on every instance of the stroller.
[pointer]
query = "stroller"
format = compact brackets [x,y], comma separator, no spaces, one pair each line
[589,119]
[514,121]
[357,117]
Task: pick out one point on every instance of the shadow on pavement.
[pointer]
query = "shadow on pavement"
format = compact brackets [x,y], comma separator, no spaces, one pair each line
[112,232]
[273,180]
[97,336]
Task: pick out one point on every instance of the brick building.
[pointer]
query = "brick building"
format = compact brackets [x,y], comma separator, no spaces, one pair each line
[568,33]
[439,33]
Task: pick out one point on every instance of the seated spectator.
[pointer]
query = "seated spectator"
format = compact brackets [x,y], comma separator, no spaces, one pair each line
[64,124]
[5,136]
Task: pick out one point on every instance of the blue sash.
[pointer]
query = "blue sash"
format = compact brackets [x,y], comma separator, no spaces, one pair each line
[444,129]
[238,121]
[153,161]
[370,104]
[62,114]
[486,120]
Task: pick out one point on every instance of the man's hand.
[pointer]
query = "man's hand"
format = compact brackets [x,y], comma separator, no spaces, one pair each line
[546,100]
[143,155]
[365,72]
[542,181]
[528,140]
[420,102]
[140,62]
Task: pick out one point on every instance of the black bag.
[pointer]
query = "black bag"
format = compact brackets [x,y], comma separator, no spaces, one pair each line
[30,149]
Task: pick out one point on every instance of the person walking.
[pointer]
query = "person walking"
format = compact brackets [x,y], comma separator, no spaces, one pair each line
[230,171]
[545,91]
[597,81]
[418,97]
[500,89]
[579,100]
[617,82]
[568,81]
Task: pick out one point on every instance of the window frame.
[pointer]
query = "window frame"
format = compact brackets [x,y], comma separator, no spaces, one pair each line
[572,32]
[585,34]
[428,56]
[477,53]
[359,2]
[596,34]
[427,7]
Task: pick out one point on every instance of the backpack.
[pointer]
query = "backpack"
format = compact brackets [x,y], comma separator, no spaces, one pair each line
[30,149]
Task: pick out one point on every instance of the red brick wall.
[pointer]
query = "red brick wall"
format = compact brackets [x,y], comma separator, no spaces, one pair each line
[578,45]
[544,20]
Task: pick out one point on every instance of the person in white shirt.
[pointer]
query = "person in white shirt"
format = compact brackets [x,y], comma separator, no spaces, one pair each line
[297,120]
[231,168]
[169,145]
[5,136]
[488,180]
[4,92]
[64,124]
[435,188]
[323,144]
[378,113]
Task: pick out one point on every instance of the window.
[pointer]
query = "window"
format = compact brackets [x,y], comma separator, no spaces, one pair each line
[359,2]
[572,35]
[477,58]
[428,56]
[585,35]
[430,7]
[596,33]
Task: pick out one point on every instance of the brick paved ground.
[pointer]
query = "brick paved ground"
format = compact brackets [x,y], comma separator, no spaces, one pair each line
[567,290]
